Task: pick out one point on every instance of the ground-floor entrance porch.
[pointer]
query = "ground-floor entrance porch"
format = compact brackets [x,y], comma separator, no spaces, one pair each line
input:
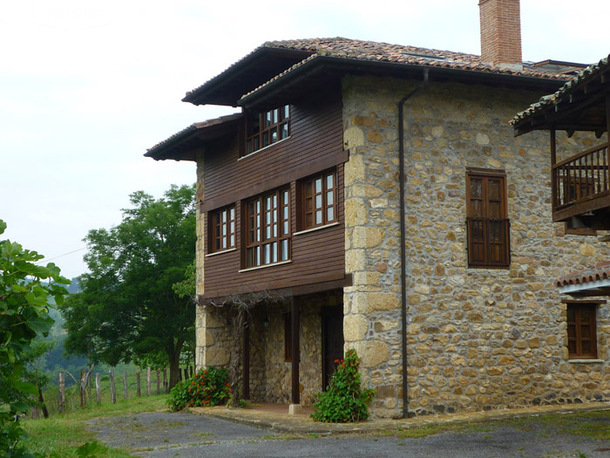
[280,348]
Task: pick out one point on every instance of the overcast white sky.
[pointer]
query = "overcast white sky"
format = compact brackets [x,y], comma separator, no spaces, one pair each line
[86,87]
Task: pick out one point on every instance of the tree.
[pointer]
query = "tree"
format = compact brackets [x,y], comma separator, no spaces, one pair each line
[127,310]
[26,292]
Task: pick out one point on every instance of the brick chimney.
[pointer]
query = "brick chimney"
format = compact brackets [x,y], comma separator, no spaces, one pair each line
[501,33]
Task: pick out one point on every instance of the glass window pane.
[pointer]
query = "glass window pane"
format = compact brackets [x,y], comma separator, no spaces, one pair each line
[330,214]
[318,201]
[319,217]
[330,180]
[494,189]
[266,254]
[330,198]
[476,187]
[318,185]
[476,208]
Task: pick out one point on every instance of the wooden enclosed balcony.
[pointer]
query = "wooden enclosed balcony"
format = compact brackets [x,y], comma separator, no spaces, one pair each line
[581,189]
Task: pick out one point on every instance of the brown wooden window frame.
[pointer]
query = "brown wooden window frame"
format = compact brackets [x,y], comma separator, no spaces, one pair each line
[222,229]
[266,128]
[267,229]
[317,200]
[582,332]
[488,237]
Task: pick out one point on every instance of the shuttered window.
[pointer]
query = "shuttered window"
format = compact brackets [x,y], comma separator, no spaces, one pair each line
[486,219]
[582,333]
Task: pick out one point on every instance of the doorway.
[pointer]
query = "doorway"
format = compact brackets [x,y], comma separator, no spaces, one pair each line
[332,341]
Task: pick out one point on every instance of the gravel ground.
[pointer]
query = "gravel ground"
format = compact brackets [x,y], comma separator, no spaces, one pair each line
[165,434]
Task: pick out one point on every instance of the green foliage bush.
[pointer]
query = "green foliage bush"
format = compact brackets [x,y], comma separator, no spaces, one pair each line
[344,400]
[26,292]
[208,387]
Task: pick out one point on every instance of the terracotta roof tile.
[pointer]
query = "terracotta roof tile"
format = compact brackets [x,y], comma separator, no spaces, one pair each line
[601,271]
[402,54]
[371,51]
[568,88]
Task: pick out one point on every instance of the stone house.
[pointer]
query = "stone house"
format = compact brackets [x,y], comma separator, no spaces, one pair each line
[372,196]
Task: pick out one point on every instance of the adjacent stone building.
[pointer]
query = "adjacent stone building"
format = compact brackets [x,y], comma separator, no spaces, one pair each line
[373,196]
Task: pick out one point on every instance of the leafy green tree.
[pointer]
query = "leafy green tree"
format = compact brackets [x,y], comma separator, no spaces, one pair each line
[127,310]
[26,291]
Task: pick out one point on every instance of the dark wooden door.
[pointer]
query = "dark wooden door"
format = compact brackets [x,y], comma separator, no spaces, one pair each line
[332,341]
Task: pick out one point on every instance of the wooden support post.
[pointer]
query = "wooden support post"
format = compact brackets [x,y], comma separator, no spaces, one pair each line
[165,380]
[61,396]
[83,387]
[148,381]
[158,381]
[125,391]
[98,389]
[138,385]
[296,395]
[112,387]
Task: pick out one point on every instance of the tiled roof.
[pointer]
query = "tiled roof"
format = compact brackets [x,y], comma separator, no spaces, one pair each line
[601,271]
[371,52]
[391,53]
[566,90]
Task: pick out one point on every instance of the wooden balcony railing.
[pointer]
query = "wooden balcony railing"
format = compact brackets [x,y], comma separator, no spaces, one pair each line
[579,180]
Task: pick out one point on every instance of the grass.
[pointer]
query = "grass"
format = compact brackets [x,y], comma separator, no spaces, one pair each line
[73,394]
[593,425]
[62,435]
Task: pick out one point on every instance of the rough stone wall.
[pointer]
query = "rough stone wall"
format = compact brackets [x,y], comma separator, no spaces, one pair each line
[477,338]
[270,374]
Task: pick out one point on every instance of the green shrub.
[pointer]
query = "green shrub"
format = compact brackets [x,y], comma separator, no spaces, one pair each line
[344,400]
[208,387]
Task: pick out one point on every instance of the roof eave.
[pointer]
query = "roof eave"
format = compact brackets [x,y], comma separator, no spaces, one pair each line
[341,65]
[184,145]
[225,88]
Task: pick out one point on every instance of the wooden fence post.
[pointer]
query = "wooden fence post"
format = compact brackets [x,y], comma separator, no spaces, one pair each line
[83,387]
[61,396]
[158,381]
[125,385]
[138,389]
[165,380]
[98,389]
[148,381]
[112,387]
